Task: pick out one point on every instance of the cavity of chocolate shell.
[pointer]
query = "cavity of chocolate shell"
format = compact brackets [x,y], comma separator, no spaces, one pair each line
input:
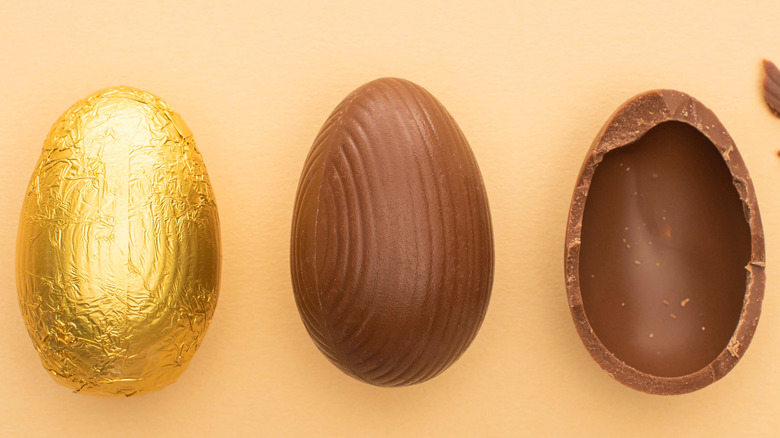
[678,118]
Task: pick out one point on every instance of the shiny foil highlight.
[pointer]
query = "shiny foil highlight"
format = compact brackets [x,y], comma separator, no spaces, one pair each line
[118,252]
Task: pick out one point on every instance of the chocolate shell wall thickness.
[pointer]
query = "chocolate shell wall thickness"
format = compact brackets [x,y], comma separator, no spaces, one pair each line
[392,247]
[664,257]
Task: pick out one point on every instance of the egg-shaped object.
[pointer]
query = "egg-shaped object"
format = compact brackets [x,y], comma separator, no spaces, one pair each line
[118,251]
[664,247]
[392,246]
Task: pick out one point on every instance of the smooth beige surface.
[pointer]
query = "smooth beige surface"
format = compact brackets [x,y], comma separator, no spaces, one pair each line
[530,84]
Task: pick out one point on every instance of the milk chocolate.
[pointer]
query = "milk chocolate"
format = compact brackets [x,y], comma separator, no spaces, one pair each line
[392,246]
[664,247]
[772,86]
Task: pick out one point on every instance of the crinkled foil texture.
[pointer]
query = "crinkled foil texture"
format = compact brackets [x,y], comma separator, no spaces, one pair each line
[118,253]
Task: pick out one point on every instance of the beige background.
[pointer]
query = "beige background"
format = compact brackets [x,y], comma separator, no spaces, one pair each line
[530,84]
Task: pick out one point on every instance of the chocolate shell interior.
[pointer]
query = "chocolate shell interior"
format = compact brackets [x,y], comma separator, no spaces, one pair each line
[665,252]
[664,249]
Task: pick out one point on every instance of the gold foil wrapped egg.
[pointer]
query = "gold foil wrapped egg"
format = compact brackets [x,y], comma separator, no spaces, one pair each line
[118,253]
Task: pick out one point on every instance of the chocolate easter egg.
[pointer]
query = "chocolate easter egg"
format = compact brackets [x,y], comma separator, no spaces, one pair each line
[664,247]
[118,252]
[392,246]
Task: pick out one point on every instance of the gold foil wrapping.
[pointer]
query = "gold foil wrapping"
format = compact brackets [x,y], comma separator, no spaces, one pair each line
[118,253]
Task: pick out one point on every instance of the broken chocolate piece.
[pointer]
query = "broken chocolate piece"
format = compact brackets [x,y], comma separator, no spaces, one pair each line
[772,86]
[664,247]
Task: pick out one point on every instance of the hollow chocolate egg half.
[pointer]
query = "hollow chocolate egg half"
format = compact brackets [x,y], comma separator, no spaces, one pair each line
[392,246]
[664,247]
[118,251]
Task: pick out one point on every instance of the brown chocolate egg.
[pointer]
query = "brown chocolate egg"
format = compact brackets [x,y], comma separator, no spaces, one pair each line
[392,246]
[664,247]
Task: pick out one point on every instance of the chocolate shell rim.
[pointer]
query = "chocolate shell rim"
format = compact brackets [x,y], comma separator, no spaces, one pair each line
[621,129]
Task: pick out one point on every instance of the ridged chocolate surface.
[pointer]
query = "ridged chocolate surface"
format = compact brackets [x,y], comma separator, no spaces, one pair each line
[392,247]
[664,247]
[772,86]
